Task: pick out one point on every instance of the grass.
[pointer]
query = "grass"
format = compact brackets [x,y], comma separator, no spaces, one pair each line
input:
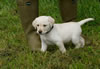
[15,52]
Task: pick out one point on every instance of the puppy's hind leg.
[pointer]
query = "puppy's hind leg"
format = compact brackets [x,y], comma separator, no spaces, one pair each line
[76,41]
[82,41]
[61,47]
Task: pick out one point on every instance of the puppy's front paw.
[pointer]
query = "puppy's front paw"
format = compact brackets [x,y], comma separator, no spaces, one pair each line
[63,51]
[42,50]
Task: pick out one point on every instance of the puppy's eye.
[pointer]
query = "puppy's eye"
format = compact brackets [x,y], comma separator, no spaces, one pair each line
[44,25]
[38,25]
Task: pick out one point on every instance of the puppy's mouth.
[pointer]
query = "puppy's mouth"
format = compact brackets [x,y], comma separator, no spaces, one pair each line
[41,33]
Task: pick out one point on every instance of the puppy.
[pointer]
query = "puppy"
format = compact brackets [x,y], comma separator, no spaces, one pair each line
[59,34]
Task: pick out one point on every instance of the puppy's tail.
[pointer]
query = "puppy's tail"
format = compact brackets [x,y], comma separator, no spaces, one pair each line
[85,20]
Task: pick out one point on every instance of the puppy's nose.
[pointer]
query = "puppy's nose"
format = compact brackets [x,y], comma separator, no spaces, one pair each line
[40,32]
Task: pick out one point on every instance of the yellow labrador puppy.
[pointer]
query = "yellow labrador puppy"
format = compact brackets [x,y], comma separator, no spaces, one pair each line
[59,34]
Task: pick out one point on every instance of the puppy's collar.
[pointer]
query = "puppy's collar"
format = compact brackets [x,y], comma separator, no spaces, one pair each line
[50,30]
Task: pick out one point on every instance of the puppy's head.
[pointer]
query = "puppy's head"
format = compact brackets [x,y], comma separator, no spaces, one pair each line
[43,24]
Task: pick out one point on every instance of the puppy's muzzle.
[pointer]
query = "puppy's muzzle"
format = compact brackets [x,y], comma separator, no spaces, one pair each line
[40,31]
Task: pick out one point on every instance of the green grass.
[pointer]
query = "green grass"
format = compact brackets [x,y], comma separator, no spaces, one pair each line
[15,52]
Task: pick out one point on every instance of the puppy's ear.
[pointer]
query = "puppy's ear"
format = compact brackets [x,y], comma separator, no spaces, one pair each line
[51,20]
[34,23]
